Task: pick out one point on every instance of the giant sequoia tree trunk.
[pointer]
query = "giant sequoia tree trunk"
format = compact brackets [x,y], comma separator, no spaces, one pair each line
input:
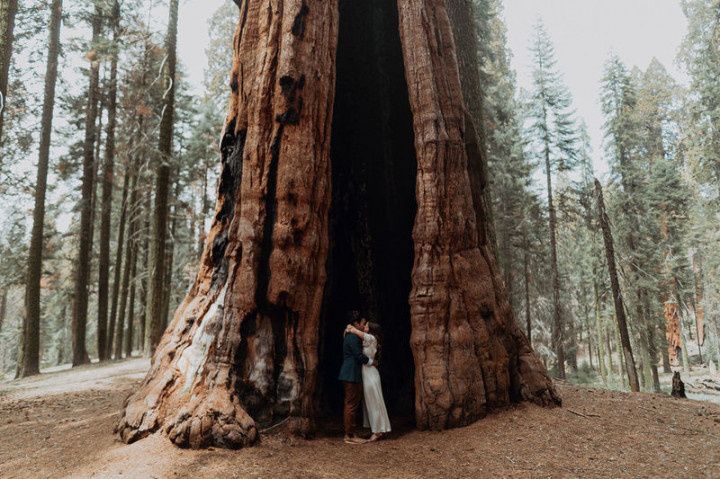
[257,337]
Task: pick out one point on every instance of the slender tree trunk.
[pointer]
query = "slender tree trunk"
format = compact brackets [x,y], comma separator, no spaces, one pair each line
[589,343]
[651,327]
[610,352]
[528,320]
[573,345]
[617,295]
[96,165]
[132,249]
[170,255]
[699,298]
[108,180]
[60,359]
[29,361]
[716,325]
[3,306]
[623,366]
[156,323]
[146,212]
[124,290]
[246,338]
[130,214]
[8,10]
[599,328]
[558,333]
[131,300]
[118,260]
[82,272]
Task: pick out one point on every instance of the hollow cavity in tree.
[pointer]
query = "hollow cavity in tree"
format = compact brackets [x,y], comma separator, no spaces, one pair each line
[373,203]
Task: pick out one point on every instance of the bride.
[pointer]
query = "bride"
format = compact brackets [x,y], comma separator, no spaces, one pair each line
[376,416]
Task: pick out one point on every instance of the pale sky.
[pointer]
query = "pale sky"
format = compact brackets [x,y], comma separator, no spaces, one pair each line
[584,33]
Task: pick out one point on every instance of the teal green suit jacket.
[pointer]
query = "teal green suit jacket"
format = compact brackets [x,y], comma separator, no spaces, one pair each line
[353,359]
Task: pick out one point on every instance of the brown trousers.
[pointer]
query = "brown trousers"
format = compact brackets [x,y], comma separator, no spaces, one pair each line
[353,397]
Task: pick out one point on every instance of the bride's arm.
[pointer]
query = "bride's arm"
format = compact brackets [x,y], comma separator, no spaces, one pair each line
[353,330]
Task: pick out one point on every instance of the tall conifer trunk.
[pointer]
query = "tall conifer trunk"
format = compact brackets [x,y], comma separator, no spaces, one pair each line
[157,270]
[627,355]
[245,346]
[120,250]
[558,330]
[108,181]
[82,266]
[8,10]
[29,360]
[462,19]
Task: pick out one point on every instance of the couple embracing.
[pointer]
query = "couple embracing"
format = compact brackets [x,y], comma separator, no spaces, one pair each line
[361,380]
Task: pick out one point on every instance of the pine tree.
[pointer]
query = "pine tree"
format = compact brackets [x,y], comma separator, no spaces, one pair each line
[8,10]
[108,179]
[29,360]
[157,272]
[82,271]
[554,139]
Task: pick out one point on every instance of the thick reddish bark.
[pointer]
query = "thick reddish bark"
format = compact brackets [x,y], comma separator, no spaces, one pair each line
[244,345]
[262,273]
[469,353]
[672,331]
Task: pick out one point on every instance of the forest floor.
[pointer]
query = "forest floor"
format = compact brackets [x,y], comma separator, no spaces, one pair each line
[60,425]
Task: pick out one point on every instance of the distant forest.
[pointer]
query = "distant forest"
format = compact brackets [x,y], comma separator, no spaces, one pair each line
[108,173]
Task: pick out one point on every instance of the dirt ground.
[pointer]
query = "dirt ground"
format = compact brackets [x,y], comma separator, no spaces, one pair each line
[60,425]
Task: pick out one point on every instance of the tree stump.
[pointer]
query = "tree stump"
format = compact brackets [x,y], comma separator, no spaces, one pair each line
[678,387]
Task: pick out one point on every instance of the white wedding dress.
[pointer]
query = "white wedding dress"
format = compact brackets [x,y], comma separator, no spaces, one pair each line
[376,416]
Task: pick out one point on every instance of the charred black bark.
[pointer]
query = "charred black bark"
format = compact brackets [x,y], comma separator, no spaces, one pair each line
[373,204]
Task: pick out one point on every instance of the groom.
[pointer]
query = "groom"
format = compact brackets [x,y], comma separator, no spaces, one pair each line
[351,375]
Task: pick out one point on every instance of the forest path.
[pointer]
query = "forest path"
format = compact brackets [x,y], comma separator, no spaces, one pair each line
[60,425]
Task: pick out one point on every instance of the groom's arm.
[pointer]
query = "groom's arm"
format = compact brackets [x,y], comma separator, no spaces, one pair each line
[358,354]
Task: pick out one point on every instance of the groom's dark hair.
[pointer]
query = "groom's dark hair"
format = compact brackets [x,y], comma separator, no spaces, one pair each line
[354,317]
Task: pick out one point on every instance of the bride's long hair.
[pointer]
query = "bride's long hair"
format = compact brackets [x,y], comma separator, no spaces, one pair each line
[376,330]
